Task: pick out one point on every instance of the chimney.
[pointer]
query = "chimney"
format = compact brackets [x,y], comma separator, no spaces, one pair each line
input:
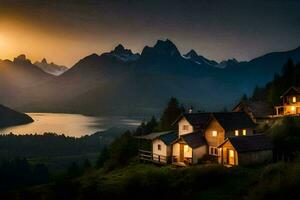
[191,110]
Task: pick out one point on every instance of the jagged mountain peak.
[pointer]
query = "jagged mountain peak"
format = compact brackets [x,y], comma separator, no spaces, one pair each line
[166,47]
[119,48]
[122,54]
[44,61]
[198,59]
[163,49]
[191,54]
[21,59]
[51,68]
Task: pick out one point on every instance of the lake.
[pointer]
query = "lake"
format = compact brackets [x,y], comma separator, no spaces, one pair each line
[70,124]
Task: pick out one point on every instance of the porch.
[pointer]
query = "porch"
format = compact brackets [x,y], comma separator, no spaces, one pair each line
[287,110]
[182,162]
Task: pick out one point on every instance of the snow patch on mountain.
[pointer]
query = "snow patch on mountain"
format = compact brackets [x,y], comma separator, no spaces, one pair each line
[51,68]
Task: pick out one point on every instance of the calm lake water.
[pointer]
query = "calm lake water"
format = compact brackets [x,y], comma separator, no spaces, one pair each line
[69,124]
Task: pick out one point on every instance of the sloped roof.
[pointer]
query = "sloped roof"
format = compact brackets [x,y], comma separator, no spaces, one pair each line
[194,140]
[295,88]
[167,136]
[154,135]
[257,108]
[234,120]
[250,143]
[197,120]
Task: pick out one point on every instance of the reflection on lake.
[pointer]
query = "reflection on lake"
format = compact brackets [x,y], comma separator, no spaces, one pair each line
[69,124]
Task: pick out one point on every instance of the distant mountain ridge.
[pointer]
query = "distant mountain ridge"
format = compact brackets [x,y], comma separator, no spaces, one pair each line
[51,68]
[123,83]
[122,54]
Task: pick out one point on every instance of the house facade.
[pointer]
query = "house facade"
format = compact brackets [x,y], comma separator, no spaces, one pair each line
[247,150]
[157,147]
[200,135]
[290,102]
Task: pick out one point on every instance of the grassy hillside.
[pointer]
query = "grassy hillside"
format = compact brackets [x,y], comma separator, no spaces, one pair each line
[144,181]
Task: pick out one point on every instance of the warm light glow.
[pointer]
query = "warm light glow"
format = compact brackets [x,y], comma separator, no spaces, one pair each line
[231,153]
[214,133]
[244,132]
[294,99]
[236,132]
[2,42]
[186,148]
[293,108]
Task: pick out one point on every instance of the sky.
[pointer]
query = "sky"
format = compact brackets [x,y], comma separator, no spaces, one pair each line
[64,31]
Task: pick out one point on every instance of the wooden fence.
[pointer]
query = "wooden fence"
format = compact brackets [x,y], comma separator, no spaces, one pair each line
[152,157]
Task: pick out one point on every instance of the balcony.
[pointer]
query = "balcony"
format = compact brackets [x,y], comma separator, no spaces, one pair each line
[290,109]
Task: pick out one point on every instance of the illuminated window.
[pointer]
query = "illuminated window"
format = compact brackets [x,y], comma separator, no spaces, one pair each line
[294,99]
[231,153]
[244,132]
[159,147]
[236,132]
[293,108]
[214,133]
[185,127]
[186,148]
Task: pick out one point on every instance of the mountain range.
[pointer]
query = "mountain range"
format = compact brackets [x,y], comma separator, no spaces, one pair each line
[121,82]
[51,68]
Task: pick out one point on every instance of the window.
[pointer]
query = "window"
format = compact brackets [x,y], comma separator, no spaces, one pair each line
[214,133]
[158,147]
[293,108]
[294,99]
[213,151]
[244,132]
[185,127]
[186,148]
[236,132]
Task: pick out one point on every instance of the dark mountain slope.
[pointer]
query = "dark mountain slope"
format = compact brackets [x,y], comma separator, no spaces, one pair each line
[9,117]
[262,69]
[18,80]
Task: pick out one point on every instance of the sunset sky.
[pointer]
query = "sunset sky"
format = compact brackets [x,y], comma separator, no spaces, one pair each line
[63,31]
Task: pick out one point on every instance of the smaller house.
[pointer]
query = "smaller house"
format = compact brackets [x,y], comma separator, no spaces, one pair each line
[247,150]
[189,148]
[157,147]
[258,111]
[290,102]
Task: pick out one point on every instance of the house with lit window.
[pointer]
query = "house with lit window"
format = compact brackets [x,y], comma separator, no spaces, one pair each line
[225,125]
[204,134]
[246,150]
[191,144]
[290,102]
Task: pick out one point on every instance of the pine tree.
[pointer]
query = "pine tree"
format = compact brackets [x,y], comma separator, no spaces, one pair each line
[170,114]
[104,156]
